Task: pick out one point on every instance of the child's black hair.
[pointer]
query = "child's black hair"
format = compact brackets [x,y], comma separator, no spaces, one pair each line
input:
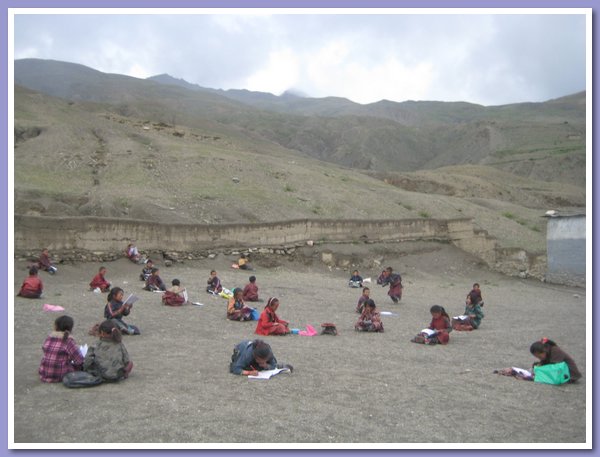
[365,289]
[543,345]
[64,324]
[108,327]
[252,278]
[439,309]
[390,269]
[113,292]
[175,282]
[370,303]
[33,271]
[101,268]
[261,350]
[154,270]
[476,284]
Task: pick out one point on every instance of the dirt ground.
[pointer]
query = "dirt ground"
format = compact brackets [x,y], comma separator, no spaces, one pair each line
[352,388]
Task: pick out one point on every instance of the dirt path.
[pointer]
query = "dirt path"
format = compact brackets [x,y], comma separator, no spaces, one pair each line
[363,388]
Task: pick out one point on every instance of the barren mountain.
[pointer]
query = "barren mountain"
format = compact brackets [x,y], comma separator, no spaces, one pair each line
[88,143]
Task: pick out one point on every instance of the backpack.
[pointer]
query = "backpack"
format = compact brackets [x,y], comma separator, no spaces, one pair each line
[76,379]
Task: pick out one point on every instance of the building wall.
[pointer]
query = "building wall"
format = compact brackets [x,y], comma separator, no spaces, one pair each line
[566,250]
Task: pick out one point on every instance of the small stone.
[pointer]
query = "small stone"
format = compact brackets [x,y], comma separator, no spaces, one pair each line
[310,243]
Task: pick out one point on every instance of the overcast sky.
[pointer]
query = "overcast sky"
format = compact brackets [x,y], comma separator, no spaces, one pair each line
[488,59]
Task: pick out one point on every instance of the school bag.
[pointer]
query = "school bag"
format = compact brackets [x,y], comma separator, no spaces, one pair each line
[81,379]
[552,373]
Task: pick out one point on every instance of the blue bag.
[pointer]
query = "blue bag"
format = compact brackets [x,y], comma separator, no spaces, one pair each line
[255,314]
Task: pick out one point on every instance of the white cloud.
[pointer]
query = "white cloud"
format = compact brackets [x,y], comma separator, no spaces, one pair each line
[280,73]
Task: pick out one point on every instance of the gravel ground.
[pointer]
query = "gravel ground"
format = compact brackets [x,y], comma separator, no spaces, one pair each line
[352,388]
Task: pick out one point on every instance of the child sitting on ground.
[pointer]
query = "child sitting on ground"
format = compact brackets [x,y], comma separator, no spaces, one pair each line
[471,319]
[369,320]
[236,309]
[132,253]
[32,286]
[109,358]
[250,357]
[214,283]
[243,263]
[476,295]
[438,330]
[44,262]
[361,301]
[250,292]
[61,353]
[547,352]
[356,280]
[155,282]
[269,323]
[99,281]
[147,270]
[115,309]
[175,295]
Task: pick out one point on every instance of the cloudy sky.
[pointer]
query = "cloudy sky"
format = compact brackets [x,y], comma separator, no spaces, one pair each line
[490,59]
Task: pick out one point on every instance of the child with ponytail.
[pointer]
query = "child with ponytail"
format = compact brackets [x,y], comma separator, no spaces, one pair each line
[547,352]
[109,358]
[61,353]
[438,330]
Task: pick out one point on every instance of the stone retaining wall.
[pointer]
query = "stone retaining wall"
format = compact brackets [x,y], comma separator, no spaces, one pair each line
[106,238]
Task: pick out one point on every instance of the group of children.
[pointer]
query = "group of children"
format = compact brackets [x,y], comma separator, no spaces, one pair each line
[109,358]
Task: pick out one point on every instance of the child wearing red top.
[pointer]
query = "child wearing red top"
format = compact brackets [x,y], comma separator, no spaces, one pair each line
[250,292]
[61,353]
[32,286]
[438,330]
[269,323]
[99,281]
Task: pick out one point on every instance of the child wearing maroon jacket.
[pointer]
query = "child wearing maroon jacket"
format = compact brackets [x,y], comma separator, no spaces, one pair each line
[99,281]
[61,353]
[438,330]
[250,292]
[44,262]
[32,286]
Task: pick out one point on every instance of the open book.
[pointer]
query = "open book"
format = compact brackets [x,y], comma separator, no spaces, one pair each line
[268,373]
[428,332]
[130,300]
[462,317]
[524,373]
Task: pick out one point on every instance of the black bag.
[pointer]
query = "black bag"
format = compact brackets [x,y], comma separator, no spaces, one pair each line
[81,379]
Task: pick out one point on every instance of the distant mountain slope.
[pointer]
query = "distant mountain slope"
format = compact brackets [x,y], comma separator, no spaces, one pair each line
[538,140]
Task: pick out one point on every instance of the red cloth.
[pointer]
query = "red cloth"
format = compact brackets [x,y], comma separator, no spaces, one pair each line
[100,282]
[44,262]
[250,292]
[172,299]
[270,324]
[442,325]
[32,287]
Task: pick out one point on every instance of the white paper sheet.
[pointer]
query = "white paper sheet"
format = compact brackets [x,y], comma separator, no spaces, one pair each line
[266,374]
[130,300]
[523,372]
[428,331]
[83,349]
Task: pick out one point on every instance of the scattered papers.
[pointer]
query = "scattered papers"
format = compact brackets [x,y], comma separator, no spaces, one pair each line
[366,280]
[388,313]
[49,307]
[268,373]
[462,317]
[197,303]
[185,295]
[522,372]
[83,349]
[97,290]
[428,332]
